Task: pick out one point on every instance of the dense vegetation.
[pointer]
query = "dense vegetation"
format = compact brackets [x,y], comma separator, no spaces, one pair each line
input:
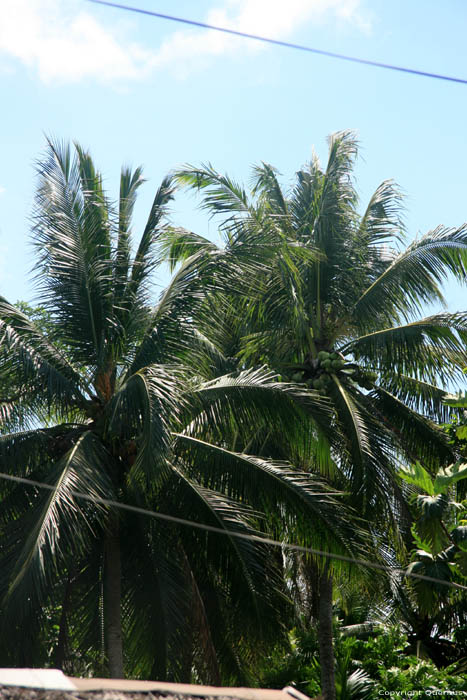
[285,383]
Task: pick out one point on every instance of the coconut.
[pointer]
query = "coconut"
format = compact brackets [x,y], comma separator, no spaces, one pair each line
[323,355]
[297,377]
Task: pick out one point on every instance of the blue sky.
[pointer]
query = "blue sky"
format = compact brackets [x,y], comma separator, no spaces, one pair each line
[136,90]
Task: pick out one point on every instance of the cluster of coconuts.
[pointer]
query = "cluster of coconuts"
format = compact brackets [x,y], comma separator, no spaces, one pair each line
[317,374]
[327,363]
[365,379]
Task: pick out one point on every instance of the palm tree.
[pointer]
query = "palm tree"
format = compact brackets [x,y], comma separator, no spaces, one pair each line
[105,395]
[337,307]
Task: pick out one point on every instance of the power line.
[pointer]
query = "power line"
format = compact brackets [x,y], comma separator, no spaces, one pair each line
[284,44]
[231,533]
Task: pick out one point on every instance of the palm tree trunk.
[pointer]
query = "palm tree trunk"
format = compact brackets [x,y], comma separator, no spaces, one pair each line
[326,648]
[112,602]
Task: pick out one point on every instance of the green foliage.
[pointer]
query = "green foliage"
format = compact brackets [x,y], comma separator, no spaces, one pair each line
[433,611]
[276,387]
[364,668]
[338,305]
[109,396]
[337,308]
[297,666]
[457,401]
[418,476]
[386,659]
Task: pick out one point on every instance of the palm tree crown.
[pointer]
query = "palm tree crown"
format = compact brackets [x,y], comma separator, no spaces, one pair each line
[338,306]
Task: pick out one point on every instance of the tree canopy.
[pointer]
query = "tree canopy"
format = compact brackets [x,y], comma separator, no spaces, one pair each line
[286,383]
[112,397]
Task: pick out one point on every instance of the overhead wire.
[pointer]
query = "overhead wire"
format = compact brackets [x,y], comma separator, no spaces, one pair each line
[284,44]
[231,533]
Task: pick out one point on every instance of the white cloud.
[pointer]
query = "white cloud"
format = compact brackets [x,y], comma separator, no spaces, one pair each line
[270,18]
[62,42]
[2,190]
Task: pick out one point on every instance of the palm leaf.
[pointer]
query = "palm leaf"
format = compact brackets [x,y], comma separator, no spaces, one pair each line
[178,244]
[266,184]
[423,397]
[420,348]
[36,557]
[367,452]
[222,193]
[246,568]
[157,599]
[72,238]
[171,325]
[32,361]
[296,500]
[418,438]
[382,220]
[139,417]
[255,397]
[145,260]
[413,278]
[129,185]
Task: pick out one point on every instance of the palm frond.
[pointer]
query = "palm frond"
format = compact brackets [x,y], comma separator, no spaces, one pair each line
[145,259]
[329,196]
[254,397]
[178,244]
[96,207]
[28,449]
[183,305]
[366,453]
[246,568]
[72,238]
[34,558]
[354,428]
[29,360]
[300,502]
[383,217]
[338,191]
[266,185]
[429,348]
[423,397]
[223,195]
[302,203]
[24,453]
[214,508]
[419,439]
[129,185]
[157,600]
[170,326]
[413,277]
[139,418]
